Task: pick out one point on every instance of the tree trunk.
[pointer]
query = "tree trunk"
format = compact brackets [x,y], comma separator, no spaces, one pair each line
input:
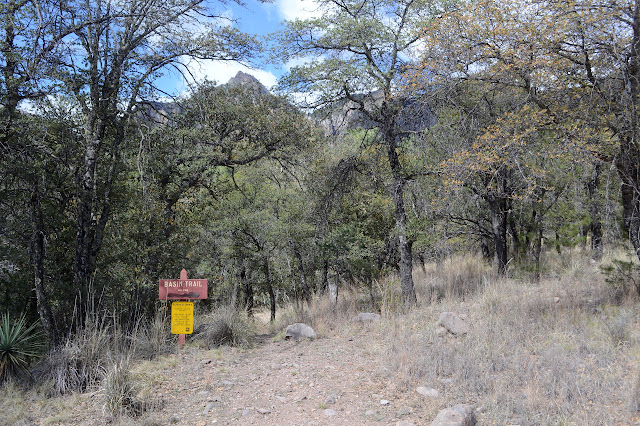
[497,207]
[595,210]
[272,296]
[306,294]
[247,289]
[404,242]
[325,277]
[627,166]
[37,256]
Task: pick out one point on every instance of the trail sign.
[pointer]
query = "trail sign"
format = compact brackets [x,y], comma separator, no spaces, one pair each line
[182,312]
[182,317]
[183,289]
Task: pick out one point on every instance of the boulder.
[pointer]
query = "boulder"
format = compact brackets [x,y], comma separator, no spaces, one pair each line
[453,323]
[365,317]
[299,331]
[459,415]
[428,392]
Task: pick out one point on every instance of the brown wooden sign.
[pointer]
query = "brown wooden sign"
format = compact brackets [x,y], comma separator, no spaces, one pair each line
[183,289]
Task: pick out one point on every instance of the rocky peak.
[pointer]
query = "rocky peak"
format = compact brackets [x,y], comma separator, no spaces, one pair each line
[242,78]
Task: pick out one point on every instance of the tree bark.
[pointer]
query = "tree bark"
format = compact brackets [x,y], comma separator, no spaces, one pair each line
[272,296]
[306,293]
[497,207]
[37,256]
[247,289]
[404,242]
[595,210]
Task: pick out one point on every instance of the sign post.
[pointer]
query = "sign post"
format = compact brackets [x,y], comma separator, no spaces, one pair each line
[181,310]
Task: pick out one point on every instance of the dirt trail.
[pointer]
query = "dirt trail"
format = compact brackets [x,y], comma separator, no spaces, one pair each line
[334,380]
[337,379]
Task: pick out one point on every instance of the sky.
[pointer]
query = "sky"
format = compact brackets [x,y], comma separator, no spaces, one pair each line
[259,19]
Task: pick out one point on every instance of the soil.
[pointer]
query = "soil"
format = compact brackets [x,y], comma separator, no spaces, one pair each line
[332,380]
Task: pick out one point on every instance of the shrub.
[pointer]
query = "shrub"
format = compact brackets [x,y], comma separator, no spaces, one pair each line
[622,277]
[19,344]
[80,362]
[153,338]
[119,391]
[226,326]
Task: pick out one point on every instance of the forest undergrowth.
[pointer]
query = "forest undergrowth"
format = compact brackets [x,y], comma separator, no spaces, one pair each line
[562,350]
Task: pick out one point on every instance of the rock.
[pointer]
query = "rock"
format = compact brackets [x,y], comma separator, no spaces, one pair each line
[246,412]
[329,412]
[367,317]
[208,408]
[263,411]
[370,413]
[385,402]
[428,392]
[405,423]
[332,398]
[453,323]
[459,415]
[299,331]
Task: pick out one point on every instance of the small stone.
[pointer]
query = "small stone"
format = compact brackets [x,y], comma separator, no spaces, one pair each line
[246,412]
[332,398]
[445,381]
[329,412]
[263,411]
[428,392]
[370,413]
[207,409]
[405,423]
[556,299]
[205,361]
[384,402]
[367,317]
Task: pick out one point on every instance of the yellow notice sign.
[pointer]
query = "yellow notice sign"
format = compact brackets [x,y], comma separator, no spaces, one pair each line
[182,317]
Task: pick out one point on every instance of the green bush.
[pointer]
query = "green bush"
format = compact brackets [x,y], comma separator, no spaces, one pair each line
[19,344]
[622,277]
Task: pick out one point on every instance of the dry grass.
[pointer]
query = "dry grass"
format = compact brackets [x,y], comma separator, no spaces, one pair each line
[458,277]
[225,326]
[323,315]
[554,352]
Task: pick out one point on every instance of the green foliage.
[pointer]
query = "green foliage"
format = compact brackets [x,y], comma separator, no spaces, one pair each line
[19,345]
[622,277]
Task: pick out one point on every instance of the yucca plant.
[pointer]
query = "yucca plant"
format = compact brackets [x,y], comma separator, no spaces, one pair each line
[19,344]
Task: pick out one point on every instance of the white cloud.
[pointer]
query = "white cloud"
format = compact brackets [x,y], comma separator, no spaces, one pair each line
[298,9]
[222,71]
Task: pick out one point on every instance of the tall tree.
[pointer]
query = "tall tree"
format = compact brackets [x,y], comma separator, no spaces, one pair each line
[577,62]
[358,49]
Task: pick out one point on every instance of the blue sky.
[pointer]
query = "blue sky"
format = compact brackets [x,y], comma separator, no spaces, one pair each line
[256,18]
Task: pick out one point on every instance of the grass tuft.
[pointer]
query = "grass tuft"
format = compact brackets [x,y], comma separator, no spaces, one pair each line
[225,326]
